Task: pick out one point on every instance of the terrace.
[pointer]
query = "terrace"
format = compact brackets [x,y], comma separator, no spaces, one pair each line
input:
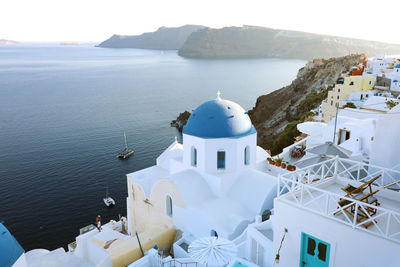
[319,189]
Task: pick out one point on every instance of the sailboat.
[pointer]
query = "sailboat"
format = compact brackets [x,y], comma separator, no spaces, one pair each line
[108,200]
[126,153]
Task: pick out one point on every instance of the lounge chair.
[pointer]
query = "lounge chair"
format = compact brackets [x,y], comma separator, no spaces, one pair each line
[357,193]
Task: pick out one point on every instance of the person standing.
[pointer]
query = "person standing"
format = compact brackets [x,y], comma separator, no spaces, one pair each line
[98,223]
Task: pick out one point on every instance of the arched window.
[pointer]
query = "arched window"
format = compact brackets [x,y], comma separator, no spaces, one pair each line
[247,155]
[169,206]
[194,157]
[221,159]
[214,233]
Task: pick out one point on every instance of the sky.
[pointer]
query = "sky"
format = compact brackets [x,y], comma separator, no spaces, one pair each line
[97,20]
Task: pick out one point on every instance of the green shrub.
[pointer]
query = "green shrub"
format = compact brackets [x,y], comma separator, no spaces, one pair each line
[285,138]
[349,105]
[391,104]
[312,100]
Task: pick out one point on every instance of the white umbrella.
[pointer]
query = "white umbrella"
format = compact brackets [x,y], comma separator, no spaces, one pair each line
[212,251]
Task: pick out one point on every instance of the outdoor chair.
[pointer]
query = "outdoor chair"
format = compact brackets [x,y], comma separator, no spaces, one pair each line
[357,193]
[352,191]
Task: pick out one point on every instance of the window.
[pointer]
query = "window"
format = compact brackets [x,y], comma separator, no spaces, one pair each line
[322,251]
[331,102]
[370,82]
[311,246]
[221,159]
[338,90]
[169,206]
[194,157]
[337,97]
[314,252]
[247,155]
[351,83]
[214,233]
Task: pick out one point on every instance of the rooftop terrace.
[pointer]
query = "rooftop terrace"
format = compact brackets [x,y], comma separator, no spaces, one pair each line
[319,189]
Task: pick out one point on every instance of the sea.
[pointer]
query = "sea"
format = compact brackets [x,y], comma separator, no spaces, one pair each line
[63,112]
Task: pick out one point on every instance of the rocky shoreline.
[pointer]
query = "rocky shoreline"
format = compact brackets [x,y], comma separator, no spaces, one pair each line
[276,114]
[181,120]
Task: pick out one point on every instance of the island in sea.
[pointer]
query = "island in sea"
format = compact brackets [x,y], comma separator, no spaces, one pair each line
[254,41]
[163,39]
[194,41]
[7,42]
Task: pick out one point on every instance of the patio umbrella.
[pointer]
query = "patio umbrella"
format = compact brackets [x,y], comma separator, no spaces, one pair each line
[329,148]
[212,251]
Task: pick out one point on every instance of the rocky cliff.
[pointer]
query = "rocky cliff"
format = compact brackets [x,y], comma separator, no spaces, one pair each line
[276,115]
[252,41]
[164,39]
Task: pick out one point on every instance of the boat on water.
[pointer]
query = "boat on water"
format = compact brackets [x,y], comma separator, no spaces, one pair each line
[108,200]
[126,152]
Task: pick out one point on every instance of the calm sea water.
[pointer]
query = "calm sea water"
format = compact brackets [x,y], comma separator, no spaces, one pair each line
[63,110]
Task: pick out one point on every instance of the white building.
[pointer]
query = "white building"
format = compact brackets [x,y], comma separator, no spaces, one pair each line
[327,228]
[386,144]
[395,78]
[378,65]
[215,183]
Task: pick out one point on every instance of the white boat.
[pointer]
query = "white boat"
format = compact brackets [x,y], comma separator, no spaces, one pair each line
[108,200]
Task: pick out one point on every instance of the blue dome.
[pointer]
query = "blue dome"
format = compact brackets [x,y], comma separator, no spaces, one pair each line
[9,247]
[397,66]
[219,118]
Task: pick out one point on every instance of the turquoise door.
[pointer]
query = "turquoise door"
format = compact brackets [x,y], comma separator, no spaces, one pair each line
[314,252]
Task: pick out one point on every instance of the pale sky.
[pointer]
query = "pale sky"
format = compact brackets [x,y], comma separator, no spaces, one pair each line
[97,20]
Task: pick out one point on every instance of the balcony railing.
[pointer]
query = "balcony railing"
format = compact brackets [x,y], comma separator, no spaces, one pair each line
[177,263]
[303,189]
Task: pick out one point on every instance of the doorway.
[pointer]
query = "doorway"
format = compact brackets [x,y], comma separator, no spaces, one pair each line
[314,252]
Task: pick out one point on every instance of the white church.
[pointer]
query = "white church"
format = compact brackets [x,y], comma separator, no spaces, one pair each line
[215,183]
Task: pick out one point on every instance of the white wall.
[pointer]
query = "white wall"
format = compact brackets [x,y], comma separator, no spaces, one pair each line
[90,251]
[196,223]
[349,247]
[207,152]
[385,149]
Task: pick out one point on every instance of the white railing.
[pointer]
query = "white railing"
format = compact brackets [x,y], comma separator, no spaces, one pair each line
[301,189]
[347,169]
[178,263]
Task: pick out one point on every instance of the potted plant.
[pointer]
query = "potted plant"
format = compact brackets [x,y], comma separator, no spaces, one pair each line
[271,161]
[291,168]
[283,165]
[278,161]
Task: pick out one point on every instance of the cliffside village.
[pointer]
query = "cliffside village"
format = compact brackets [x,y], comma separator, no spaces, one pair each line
[218,199]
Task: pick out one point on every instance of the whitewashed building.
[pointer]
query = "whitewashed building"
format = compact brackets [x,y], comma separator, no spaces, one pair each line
[214,183]
[378,65]
[328,228]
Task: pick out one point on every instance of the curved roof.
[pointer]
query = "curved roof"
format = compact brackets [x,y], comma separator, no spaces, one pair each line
[9,247]
[219,118]
[255,190]
[195,191]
